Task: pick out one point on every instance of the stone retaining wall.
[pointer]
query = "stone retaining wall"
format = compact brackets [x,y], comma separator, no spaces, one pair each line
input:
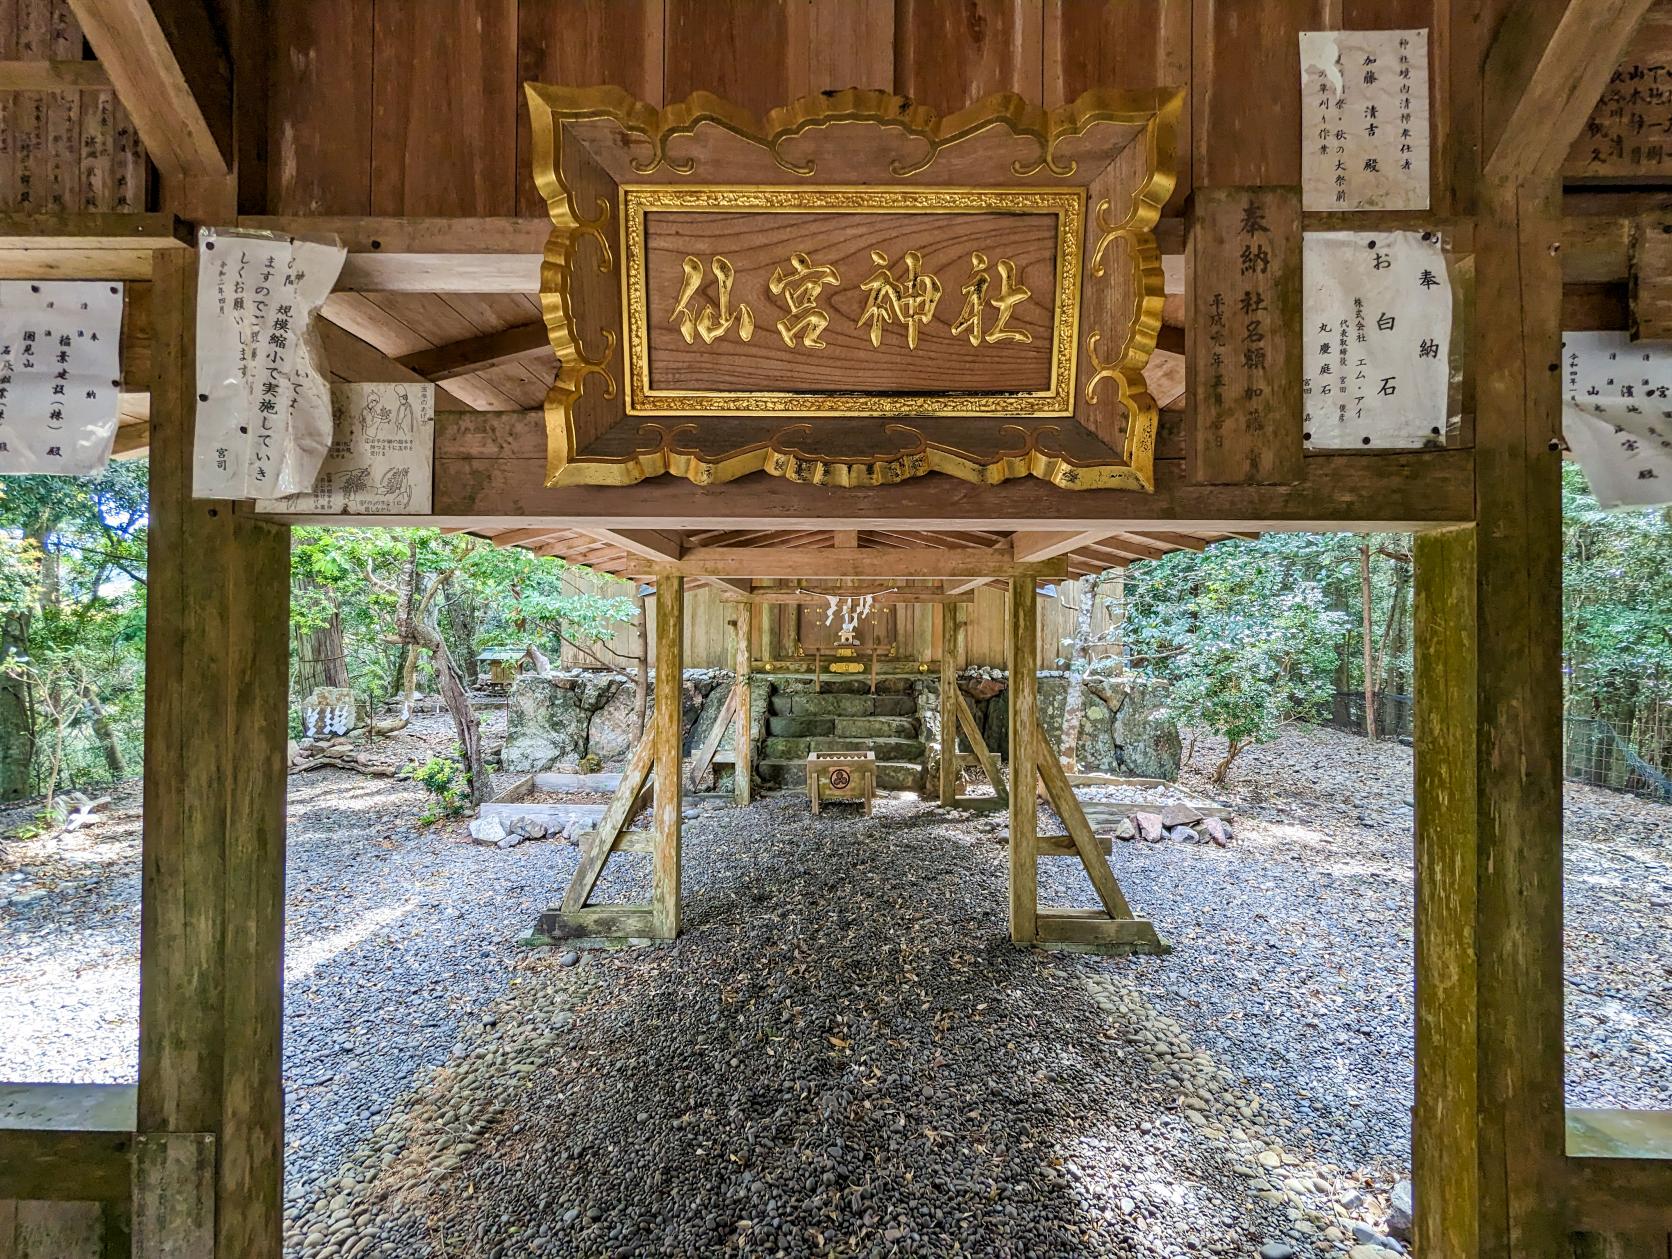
[555,721]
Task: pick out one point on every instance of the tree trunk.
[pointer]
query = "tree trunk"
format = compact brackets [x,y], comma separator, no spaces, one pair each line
[641,673]
[321,659]
[1369,662]
[461,619]
[1074,704]
[105,732]
[17,725]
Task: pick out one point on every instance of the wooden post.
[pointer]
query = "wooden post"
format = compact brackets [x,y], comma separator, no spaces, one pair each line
[666,729]
[1369,651]
[212,920]
[1444,1141]
[1023,709]
[948,613]
[742,664]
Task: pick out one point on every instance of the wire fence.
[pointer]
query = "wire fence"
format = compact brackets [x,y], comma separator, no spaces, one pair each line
[1633,754]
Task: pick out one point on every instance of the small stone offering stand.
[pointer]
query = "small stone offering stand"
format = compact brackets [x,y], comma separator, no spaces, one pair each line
[842,776]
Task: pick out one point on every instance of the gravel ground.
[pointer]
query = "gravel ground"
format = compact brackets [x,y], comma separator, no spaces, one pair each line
[843,1054]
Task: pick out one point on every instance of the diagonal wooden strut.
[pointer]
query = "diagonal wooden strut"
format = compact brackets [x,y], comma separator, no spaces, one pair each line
[1067,805]
[704,760]
[599,844]
[972,732]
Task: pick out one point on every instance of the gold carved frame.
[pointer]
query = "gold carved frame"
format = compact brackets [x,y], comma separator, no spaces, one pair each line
[1057,399]
[597,150]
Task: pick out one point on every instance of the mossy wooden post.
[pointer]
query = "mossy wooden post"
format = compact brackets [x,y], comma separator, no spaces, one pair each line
[948,711]
[212,904]
[1444,1142]
[1023,711]
[743,753]
[667,731]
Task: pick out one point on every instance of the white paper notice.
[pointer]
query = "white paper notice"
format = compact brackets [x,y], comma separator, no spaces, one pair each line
[380,458]
[1617,415]
[263,405]
[60,375]
[1377,315]
[1364,120]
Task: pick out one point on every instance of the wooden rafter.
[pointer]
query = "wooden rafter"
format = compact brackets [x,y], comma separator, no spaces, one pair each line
[171,71]
[475,354]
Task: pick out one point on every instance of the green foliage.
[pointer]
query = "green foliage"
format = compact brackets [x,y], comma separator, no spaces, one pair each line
[443,777]
[1243,632]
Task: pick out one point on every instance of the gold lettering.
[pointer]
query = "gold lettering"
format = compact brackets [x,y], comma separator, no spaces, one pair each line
[1012,292]
[712,322]
[909,300]
[800,290]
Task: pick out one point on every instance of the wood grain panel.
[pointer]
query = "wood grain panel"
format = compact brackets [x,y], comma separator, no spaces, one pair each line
[835,44]
[582,43]
[319,150]
[736,50]
[1093,44]
[948,53]
[1628,136]
[759,244]
[444,109]
[1245,103]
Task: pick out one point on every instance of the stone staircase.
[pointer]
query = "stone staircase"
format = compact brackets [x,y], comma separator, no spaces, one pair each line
[843,716]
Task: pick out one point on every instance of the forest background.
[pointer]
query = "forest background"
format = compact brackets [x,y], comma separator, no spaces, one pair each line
[1250,634]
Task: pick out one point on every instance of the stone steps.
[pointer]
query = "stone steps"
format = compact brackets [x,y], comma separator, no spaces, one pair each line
[828,703]
[842,727]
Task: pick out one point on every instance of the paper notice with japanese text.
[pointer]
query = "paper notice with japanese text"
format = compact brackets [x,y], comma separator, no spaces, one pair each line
[60,375]
[1364,120]
[1377,319]
[382,445]
[263,405]
[1617,415]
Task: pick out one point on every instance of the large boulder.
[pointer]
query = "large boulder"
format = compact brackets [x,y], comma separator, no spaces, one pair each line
[545,723]
[1145,732]
[614,730]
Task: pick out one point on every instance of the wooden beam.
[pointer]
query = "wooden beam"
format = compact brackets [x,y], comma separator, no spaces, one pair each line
[1548,65]
[666,731]
[1619,1195]
[476,354]
[53,76]
[650,544]
[170,69]
[353,359]
[65,1165]
[1046,544]
[893,598]
[428,255]
[1023,712]
[716,561]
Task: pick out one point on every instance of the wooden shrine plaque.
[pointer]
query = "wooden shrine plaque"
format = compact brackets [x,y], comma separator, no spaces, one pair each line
[1628,136]
[853,291]
[900,301]
[1243,261]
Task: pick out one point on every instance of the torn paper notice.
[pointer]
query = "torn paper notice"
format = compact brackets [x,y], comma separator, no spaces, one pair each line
[60,375]
[1364,120]
[263,405]
[1377,318]
[1617,415]
[380,457]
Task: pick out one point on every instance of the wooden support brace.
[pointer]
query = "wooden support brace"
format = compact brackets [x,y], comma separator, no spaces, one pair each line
[667,735]
[1067,805]
[1023,714]
[948,615]
[599,844]
[704,759]
[972,732]
[743,750]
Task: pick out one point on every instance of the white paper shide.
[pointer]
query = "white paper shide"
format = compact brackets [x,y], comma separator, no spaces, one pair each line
[1617,415]
[1377,320]
[382,446]
[60,375]
[263,404]
[1364,120]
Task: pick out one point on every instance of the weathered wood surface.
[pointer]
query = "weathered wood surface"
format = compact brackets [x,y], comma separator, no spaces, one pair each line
[1022,711]
[704,759]
[174,1199]
[1651,278]
[983,755]
[623,807]
[213,843]
[743,746]
[948,616]
[1067,806]
[1244,356]
[666,733]
[1627,136]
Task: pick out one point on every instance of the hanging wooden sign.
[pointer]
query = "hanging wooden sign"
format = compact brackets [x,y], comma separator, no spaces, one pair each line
[855,291]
